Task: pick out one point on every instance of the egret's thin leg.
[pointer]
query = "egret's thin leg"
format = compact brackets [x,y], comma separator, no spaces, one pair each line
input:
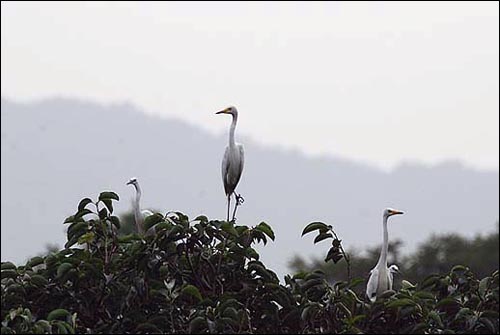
[235,207]
[239,201]
[228,206]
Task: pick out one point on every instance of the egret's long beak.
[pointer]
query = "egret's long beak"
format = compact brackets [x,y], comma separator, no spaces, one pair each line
[396,212]
[225,111]
[128,182]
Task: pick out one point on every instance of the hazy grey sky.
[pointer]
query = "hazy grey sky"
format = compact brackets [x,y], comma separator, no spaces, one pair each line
[377,82]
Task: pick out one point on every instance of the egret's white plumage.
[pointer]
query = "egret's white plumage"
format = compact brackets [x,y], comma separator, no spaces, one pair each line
[233,160]
[139,214]
[381,277]
[392,270]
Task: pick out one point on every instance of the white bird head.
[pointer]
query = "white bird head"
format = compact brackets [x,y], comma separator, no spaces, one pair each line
[389,212]
[230,110]
[394,268]
[132,181]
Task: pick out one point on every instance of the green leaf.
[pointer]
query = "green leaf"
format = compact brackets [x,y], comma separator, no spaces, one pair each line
[197,325]
[308,312]
[82,213]
[318,273]
[86,238]
[251,253]
[435,316]
[129,238]
[459,268]
[109,204]
[355,282]
[315,226]
[73,240]
[77,227]
[58,314]
[62,269]
[61,328]
[430,281]
[9,273]
[300,275]
[259,236]
[103,213]
[192,291]
[8,266]
[420,328]
[35,261]
[39,281]
[115,220]
[401,303]
[464,311]
[231,313]
[152,220]
[266,229]
[15,288]
[311,283]
[69,219]
[321,237]
[44,327]
[387,294]
[260,270]
[228,303]
[424,295]
[84,203]
[334,254]
[406,284]
[357,318]
[201,218]
[483,285]
[108,195]
[229,228]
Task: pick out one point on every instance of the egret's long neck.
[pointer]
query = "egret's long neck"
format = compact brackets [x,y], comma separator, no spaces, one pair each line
[138,193]
[137,208]
[382,261]
[232,143]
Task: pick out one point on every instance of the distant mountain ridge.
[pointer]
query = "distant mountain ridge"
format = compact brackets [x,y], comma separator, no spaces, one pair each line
[57,151]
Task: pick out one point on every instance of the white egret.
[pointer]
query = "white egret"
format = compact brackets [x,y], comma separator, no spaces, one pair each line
[232,163]
[392,270]
[138,214]
[381,276]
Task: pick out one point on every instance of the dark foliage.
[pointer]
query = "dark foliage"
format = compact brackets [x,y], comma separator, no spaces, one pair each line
[204,276]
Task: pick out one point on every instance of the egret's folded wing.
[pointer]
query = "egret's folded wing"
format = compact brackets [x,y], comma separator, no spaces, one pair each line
[240,167]
[242,157]
[371,287]
[225,171]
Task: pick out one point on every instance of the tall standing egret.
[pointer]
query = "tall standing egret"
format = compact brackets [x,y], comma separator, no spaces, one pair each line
[232,163]
[381,276]
[138,214]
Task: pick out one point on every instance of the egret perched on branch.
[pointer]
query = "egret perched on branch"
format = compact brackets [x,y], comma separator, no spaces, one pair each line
[381,276]
[392,270]
[232,163]
[138,214]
